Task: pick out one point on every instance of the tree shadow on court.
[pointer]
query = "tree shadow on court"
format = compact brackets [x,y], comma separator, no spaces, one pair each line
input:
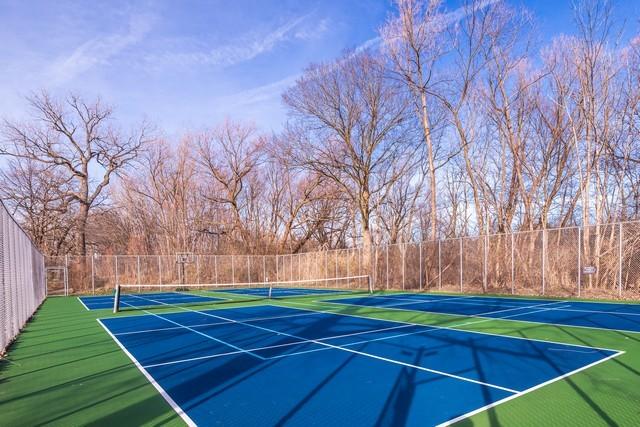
[233,373]
[598,409]
[524,332]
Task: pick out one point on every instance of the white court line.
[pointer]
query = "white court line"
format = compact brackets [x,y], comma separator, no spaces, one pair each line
[456,301]
[203,334]
[85,307]
[269,347]
[478,316]
[521,308]
[184,296]
[251,319]
[420,300]
[529,390]
[450,328]
[373,356]
[153,382]
[533,298]
[624,313]
[511,307]
[435,329]
[425,329]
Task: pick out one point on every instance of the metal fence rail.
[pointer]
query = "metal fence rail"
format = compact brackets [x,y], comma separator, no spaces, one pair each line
[22,278]
[600,261]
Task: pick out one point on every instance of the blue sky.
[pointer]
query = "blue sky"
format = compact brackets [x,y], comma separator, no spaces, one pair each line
[189,64]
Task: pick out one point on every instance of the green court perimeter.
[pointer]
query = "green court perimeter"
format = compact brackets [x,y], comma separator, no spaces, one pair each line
[64,369]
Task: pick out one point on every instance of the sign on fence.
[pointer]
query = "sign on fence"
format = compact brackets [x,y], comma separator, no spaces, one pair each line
[589,269]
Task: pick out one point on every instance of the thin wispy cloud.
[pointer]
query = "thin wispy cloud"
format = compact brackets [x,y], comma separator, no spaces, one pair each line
[312,32]
[259,94]
[243,49]
[100,50]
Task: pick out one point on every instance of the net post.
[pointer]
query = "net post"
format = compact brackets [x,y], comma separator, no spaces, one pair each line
[369,284]
[116,300]
[270,290]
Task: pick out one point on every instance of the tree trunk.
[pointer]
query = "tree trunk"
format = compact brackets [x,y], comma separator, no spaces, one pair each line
[81,232]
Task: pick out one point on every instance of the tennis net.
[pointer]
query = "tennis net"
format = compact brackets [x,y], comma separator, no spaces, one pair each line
[136,296]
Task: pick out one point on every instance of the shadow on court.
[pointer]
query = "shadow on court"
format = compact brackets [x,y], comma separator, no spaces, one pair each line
[65,365]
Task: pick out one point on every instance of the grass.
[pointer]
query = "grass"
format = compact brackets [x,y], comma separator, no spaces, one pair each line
[65,370]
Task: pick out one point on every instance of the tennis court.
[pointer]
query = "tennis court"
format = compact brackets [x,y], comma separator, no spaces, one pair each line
[145,300]
[273,365]
[600,315]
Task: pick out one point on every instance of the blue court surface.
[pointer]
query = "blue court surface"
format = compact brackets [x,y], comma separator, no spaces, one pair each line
[621,317]
[280,292]
[269,365]
[145,300]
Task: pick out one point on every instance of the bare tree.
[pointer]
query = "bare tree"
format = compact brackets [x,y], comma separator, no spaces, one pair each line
[349,125]
[161,202]
[79,140]
[227,157]
[413,42]
[38,195]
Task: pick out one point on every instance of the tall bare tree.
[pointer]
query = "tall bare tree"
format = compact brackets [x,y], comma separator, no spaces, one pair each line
[228,157]
[350,125]
[413,41]
[78,139]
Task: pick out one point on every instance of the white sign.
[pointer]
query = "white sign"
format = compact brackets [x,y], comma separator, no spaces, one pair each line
[589,269]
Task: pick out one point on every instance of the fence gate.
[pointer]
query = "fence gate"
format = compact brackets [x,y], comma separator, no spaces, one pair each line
[57,280]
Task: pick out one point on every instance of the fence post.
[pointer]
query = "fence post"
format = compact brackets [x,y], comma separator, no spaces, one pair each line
[66,268]
[264,268]
[160,269]
[348,262]
[579,260]
[484,264]
[215,267]
[387,267]
[375,266]
[620,242]
[420,248]
[404,249]
[248,270]
[198,269]
[461,270]
[138,272]
[116,262]
[439,264]
[544,257]
[93,275]
[513,264]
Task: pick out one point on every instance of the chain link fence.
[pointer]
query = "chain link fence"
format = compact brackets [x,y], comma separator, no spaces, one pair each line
[601,261]
[22,283]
